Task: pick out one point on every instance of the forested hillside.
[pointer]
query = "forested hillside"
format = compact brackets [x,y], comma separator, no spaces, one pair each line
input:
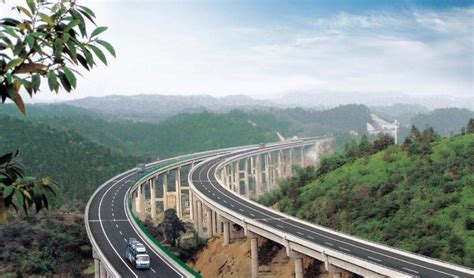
[445,121]
[177,135]
[418,197]
[76,163]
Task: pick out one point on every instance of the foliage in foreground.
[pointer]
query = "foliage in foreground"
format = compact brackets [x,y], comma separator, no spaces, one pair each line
[46,40]
[45,244]
[417,197]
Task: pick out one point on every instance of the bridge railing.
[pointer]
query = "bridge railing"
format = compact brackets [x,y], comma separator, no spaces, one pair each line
[338,233]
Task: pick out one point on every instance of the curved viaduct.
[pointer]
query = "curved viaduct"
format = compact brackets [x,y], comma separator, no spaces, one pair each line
[214,191]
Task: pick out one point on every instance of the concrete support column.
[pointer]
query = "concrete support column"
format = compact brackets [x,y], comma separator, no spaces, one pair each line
[226,231]
[141,199]
[179,208]
[253,253]
[103,271]
[236,177]
[267,171]
[165,191]
[298,267]
[246,179]
[199,219]
[191,205]
[96,268]
[153,199]
[280,164]
[298,258]
[258,175]
[208,222]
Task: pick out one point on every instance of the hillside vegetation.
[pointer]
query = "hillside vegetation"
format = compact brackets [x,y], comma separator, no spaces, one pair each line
[76,163]
[418,197]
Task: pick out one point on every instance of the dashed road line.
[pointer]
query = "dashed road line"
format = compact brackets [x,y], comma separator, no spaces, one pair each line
[345,249]
[374,259]
[300,233]
[411,270]
[328,243]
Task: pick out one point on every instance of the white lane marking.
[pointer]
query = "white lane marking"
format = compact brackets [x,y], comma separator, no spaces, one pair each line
[411,270]
[328,243]
[116,225]
[225,201]
[105,234]
[300,233]
[218,197]
[310,237]
[253,215]
[241,210]
[265,220]
[143,241]
[345,249]
[153,270]
[234,198]
[113,214]
[125,240]
[232,205]
[280,226]
[120,232]
[375,259]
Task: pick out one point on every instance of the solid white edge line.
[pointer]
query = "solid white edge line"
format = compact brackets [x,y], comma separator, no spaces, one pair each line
[103,229]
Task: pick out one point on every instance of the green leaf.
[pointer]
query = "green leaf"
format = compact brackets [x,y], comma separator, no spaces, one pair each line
[89,57]
[64,82]
[99,53]
[10,31]
[88,16]
[35,82]
[82,24]
[52,81]
[72,24]
[31,5]
[87,10]
[107,46]
[46,18]
[25,11]
[98,30]
[14,63]
[83,61]
[30,40]
[70,77]
[7,191]
[19,197]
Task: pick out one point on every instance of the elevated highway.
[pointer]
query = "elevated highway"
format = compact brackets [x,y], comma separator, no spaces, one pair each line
[213,191]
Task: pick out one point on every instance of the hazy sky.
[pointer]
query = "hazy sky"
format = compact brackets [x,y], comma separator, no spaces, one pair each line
[265,49]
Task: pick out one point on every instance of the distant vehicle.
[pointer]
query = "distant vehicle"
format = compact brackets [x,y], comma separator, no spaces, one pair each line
[141,168]
[137,255]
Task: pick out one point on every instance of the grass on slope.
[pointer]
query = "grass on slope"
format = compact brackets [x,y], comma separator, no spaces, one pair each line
[420,203]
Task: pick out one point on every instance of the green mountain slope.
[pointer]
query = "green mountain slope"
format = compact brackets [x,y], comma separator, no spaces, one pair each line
[78,164]
[422,203]
[177,135]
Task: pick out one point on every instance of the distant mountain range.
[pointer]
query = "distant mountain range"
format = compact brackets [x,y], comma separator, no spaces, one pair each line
[154,108]
[332,99]
[158,107]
